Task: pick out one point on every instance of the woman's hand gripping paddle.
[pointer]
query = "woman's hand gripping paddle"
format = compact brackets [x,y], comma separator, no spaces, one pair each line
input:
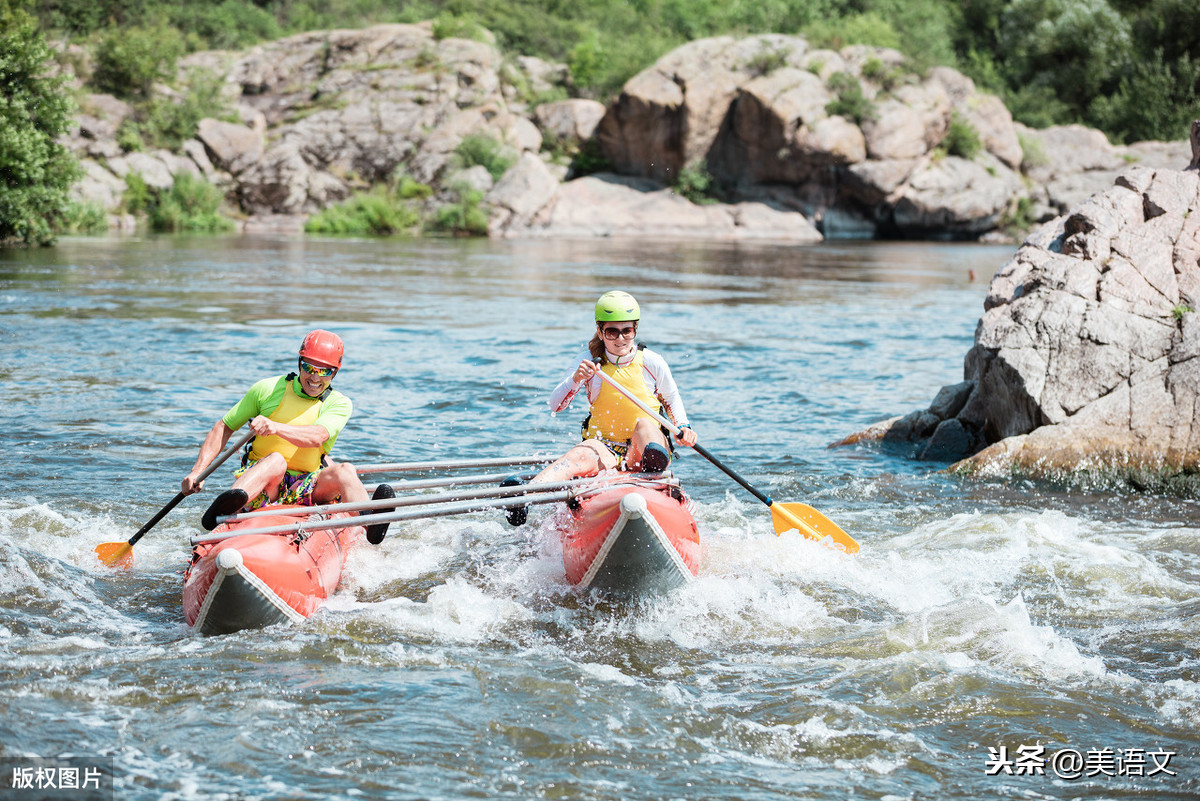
[785,516]
[120,554]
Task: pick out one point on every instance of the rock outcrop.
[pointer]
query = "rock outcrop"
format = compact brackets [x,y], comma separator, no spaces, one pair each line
[799,142]
[852,140]
[1087,356]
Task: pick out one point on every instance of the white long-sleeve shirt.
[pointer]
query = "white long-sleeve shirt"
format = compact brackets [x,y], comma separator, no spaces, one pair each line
[655,373]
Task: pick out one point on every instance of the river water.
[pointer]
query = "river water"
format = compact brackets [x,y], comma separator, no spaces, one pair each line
[991,639]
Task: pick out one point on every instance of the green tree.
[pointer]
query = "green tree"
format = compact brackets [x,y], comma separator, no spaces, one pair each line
[129,61]
[1074,48]
[35,170]
[1154,100]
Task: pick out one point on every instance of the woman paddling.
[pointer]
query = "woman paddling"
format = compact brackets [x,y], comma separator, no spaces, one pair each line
[616,433]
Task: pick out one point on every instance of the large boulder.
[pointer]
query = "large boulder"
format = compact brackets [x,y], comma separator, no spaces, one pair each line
[612,205]
[1087,356]
[569,122]
[954,196]
[229,145]
[859,141]
[668,116]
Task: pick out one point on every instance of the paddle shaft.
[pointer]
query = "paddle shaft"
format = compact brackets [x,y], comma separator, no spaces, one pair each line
[817,526]
[447,497]
[414,467]
[179,496]
[674,429]
[415,513]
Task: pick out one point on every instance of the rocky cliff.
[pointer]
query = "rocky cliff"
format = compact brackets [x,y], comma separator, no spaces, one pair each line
[799,143]
[1087,356]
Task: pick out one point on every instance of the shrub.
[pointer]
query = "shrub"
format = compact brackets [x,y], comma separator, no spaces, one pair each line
[1018,219]
[229,25]
[82,218]
[1033,152]
[850,102]
[868,29]
[162,122]
[408,188]
[589,160]
[768,59]
[129,61]
[587,62]
[382,211]
[191,204]
[138,196]
[961,138]
[887,77]
[695,183]
[464,217]
[447,26]
[35,169]
[1154,100]
[483,150]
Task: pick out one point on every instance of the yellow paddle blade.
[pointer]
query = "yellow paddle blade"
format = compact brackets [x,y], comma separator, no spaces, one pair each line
[812,524]
[116,554]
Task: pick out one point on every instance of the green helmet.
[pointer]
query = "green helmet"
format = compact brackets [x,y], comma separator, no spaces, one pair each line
[615,307]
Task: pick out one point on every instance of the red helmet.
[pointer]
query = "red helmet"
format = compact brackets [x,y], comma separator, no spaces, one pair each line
[324,347]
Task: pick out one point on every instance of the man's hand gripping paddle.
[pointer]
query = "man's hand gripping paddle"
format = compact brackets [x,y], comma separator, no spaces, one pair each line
[120,554]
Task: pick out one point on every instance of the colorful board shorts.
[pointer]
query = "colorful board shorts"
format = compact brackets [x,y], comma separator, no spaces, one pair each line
[296,488]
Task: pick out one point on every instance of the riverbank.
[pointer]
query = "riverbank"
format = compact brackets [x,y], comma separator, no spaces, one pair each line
[757,138]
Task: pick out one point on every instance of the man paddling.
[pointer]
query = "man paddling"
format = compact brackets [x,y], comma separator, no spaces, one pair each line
[296,419]
[617,433]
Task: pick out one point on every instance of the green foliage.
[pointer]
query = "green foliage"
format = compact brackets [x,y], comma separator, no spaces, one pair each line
[385,210]
[375,213]
[129,61]
[587,62]
[1070,46]
[888,77]
[35,170]
[463,217]
[191,204]
[1181,309]
[849,100]
[1129,69]
[82,218]
[695,183]
[229,25]
[768,59]
[481,149]
[1018,219]
[138,195]
[447,26]
[962,139]
[408,188]
[1126,115]
[590,160]
[163,122]
[867,29]
[1033,153]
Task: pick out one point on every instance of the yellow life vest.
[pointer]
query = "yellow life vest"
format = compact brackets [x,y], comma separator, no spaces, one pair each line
[297,410]
[613,415]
